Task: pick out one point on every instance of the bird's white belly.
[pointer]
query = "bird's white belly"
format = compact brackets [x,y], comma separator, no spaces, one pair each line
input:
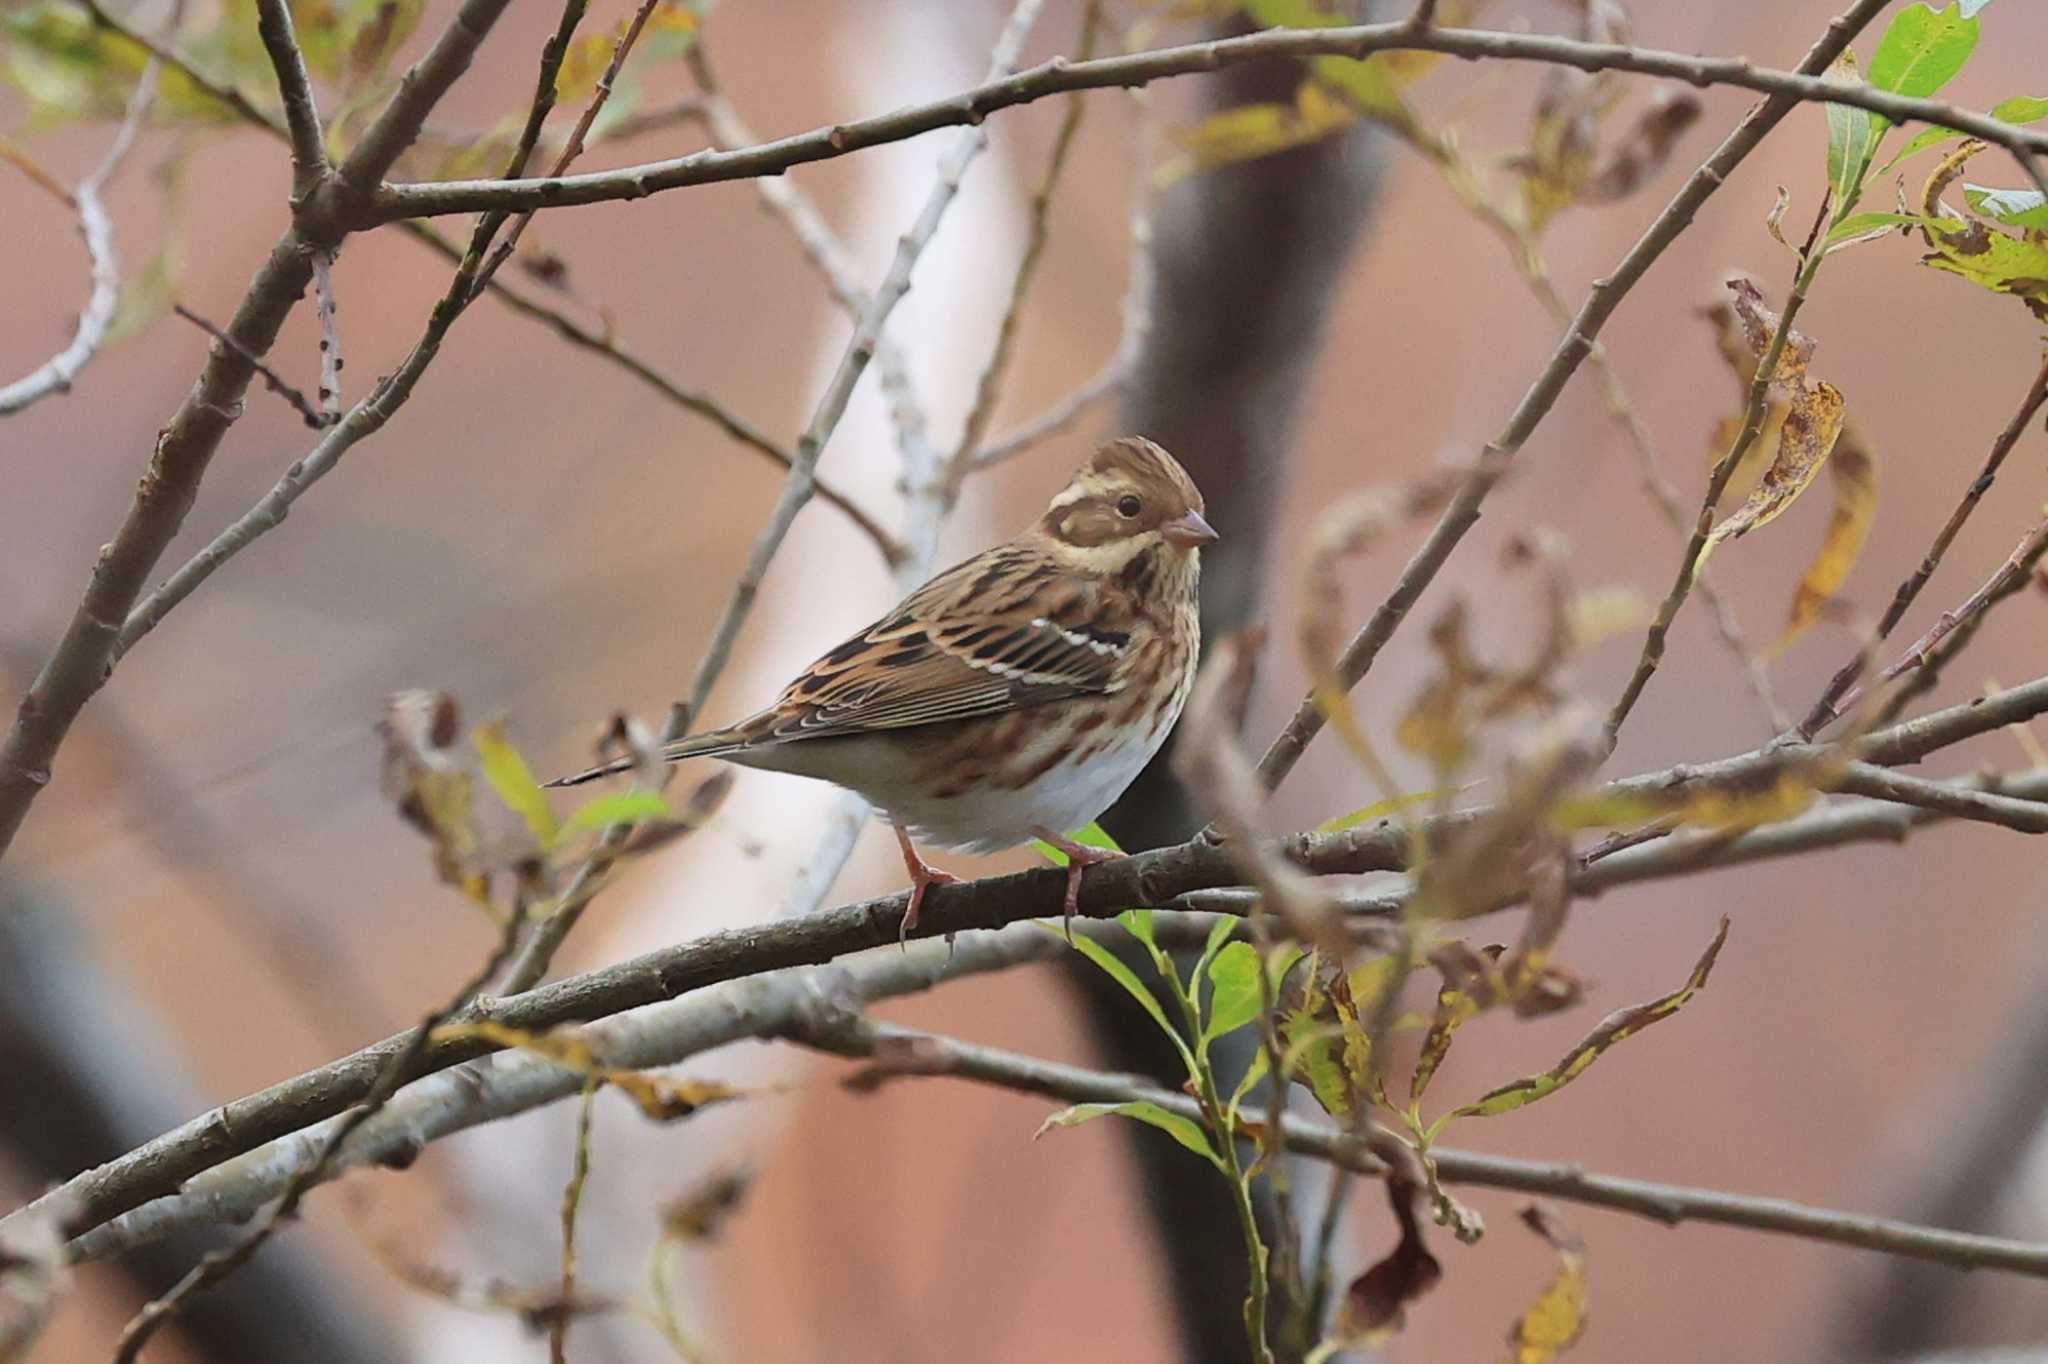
[985,817]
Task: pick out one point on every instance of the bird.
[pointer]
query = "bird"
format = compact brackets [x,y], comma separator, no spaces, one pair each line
[1015,695]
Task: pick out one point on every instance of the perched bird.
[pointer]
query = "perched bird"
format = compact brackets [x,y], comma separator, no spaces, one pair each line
[1015,695]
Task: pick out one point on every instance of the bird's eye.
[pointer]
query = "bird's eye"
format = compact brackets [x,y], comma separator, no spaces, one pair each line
[1128,506]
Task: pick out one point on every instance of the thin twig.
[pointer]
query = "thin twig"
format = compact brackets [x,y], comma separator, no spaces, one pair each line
[1949,635]
[328,312]
[272,380]
[1963,802]
[827,255]
[1829,706]
[1159,877]
[219,1264]
[989,387]
[301,110]
[60,371]
[572,1203]
[1059,76]
[1601,301]
[1664,1203]
[573,148]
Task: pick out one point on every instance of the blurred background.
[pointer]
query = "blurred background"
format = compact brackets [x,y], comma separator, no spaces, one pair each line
[214,882]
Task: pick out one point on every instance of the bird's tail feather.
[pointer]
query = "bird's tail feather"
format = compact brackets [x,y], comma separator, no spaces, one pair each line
[711,744]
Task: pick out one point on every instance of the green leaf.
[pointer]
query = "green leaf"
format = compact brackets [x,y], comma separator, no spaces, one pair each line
[1864,226]
[1259,1068]
[1921,51]
[623,807]
[505,768]
[1236,997]
[2013,207]
[2019,110]
[1379,809]
[1218,935]
[1184,1130]
[1124,976]
[1852,137]
[1615,1027]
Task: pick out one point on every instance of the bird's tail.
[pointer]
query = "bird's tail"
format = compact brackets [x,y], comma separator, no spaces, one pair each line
[710,744]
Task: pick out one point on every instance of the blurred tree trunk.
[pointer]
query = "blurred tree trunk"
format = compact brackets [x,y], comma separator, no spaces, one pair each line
[1249,257]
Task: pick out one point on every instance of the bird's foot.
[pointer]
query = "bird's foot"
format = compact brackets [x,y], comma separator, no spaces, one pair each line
[1080,856]
[923,876]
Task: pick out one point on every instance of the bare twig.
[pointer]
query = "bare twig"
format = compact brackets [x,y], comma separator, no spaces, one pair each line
[330,338]
[1601,300]
[1664,1203]
[1829,706]
[209,1272]
[988,388]
[1785,88]
[275,382]
[1153,878]
[57,374]
[572,1203]
[573,148]
[1115,374]
[822,247]
[301,111]
[1963,802]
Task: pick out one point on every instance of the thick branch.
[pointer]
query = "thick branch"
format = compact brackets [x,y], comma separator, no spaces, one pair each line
[1060,76]
[1153,878]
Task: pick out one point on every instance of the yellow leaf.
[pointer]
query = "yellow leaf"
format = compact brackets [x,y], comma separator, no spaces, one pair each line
[1553,1323]
[1854,470]
[661,1098]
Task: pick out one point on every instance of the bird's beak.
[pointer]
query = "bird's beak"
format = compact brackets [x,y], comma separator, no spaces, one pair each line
[1189,532]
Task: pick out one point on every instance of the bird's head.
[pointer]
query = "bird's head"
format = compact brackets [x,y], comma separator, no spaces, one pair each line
[1131,509]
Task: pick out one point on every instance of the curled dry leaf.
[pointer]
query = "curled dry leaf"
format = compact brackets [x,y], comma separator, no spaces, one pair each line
[1225,784]
[1969,245]
[1376,1302]
[538,1307]
[34,1274]
[1852,468]
[1806,432]
[662,1098]
[1641,154]
[1617,1026]
[1554,1322]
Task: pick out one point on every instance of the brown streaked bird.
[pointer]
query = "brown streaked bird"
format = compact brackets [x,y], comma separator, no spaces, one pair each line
[1015,695]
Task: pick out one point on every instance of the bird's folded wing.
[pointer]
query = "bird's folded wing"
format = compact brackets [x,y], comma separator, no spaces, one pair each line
[913,669]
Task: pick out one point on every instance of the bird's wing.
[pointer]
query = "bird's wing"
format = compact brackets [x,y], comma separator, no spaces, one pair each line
[999,632]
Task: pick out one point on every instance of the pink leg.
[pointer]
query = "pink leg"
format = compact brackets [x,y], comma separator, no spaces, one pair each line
[922,876]
[1079,857]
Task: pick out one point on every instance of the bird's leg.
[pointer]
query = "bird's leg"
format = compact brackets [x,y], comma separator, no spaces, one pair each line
[1079,856]
[922,876]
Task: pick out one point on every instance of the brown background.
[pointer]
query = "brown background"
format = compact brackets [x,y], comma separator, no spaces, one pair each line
[538,535]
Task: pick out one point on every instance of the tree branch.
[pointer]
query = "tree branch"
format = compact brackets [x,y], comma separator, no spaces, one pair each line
[1670,1204]
[1828,707]
[1152,878]
[301,112]
[1061,76]
[1601,301]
